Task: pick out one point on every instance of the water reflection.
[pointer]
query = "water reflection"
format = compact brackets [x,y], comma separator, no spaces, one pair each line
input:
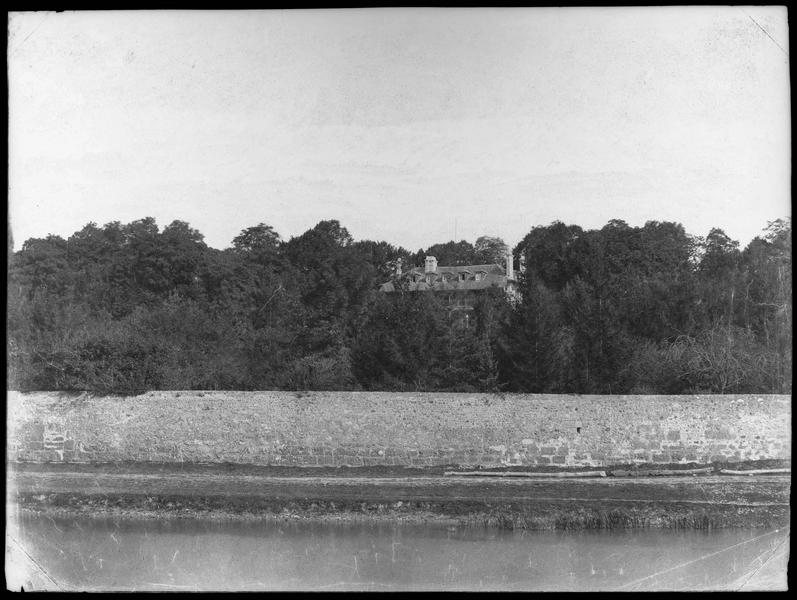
[125,554]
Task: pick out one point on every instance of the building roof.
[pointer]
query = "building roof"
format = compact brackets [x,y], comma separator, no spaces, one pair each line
[493,275]
[491,268]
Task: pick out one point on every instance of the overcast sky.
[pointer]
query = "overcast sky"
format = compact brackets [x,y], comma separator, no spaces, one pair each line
[403,124]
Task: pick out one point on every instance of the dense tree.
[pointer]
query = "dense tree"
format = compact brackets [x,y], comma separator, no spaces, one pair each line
[383,257]
[412,341]
[546,254]
[448,254]
[488,250]
[259,242]
[622,300]
[334,279]
[535,347]
[620,309]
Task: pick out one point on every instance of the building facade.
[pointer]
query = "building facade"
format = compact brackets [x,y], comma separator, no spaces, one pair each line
[460,284]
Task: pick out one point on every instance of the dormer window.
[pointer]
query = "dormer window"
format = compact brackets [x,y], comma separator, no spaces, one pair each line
[479,276]
[462,276]
[429,278]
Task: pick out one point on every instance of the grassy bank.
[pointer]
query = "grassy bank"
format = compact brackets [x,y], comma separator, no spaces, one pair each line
[533,516]
[222,492]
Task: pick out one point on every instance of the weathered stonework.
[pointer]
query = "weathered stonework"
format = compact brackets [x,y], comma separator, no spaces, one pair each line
[423,429]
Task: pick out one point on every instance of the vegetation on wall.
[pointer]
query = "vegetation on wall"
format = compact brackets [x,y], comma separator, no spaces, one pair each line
[621,309]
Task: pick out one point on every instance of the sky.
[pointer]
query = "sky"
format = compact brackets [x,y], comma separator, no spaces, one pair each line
[410,125]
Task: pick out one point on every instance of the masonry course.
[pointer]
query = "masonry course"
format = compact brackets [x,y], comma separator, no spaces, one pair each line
[397,429]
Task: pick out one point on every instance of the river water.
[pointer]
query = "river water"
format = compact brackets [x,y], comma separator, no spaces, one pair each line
[195,554]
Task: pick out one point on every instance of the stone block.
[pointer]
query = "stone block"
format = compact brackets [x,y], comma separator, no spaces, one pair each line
[674,435]
[719,433]
[458,458]
[35,431]
[559,459]
[52,456]
[548,450]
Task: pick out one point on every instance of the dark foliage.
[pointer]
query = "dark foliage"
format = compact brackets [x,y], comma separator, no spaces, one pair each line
[125,308]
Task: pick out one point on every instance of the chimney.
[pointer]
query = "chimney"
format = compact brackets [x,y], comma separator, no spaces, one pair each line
[431,264]
[398,267]
[510,273]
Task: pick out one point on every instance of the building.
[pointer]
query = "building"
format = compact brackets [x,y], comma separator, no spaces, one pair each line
[461,284]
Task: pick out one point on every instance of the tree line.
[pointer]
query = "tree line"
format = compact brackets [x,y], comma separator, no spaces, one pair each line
[131,307]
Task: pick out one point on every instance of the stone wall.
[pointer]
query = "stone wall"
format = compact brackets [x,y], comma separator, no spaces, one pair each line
[423,429]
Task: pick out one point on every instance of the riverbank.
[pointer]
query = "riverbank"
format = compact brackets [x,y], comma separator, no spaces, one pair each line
[239,493]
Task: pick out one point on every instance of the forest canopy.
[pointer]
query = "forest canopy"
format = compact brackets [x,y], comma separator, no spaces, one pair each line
[623,310]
